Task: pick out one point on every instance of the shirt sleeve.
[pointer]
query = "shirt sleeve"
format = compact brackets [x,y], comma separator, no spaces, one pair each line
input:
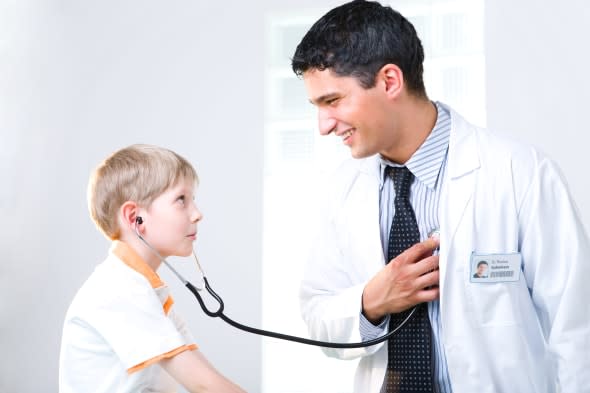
[137,328]
[370,331]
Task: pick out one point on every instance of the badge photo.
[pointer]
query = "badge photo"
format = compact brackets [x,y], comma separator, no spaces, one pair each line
[489,268]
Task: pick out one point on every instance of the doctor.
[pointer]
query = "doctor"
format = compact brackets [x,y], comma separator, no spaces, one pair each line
[523,328]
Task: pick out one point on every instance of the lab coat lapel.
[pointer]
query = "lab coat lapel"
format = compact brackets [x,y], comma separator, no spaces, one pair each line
[457,198]
[365,216]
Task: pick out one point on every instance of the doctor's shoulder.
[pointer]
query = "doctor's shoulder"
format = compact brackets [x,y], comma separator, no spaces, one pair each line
[524,159]
[340,179]
[334,186]
[519,166]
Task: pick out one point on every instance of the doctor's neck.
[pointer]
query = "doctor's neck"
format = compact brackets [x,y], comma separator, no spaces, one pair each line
[414,120]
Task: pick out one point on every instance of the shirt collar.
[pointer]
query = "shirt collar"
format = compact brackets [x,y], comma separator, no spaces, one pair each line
[130,258]
[427,161]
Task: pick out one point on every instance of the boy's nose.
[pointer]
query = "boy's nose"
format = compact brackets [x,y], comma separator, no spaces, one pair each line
[197,215]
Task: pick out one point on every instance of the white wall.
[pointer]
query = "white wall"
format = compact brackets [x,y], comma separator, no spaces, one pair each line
[538,85]
[81,79]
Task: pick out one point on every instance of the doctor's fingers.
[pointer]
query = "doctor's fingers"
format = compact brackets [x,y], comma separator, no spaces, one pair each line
[425,288]
[424,266]
[417,252]
[427,295]
[428,280]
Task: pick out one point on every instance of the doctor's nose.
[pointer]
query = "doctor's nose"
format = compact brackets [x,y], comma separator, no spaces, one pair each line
[326,123]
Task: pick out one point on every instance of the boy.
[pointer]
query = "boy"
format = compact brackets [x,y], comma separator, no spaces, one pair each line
[121,332]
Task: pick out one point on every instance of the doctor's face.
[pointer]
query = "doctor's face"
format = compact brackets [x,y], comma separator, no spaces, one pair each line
[359,116]
[482,269]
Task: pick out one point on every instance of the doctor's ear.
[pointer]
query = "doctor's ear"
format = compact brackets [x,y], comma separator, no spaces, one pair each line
[393,78]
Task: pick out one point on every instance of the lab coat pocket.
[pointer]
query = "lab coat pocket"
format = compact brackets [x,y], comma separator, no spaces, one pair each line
[494,303]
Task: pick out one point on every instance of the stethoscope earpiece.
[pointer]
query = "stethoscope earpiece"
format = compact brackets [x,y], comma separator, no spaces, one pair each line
[139,220]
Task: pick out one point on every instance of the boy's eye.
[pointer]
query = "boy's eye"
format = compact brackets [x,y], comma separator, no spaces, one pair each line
[181,199]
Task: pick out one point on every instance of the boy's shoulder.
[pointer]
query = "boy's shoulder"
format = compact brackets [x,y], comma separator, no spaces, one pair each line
[111,284]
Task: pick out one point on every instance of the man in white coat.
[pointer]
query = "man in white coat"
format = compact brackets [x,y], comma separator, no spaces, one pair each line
[525,327]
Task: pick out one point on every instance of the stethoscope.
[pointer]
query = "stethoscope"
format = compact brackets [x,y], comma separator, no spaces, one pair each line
[219,312]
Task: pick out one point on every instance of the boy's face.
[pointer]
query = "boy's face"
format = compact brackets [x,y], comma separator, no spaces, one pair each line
[171,221]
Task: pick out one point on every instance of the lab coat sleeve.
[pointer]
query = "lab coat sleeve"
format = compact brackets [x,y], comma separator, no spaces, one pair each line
[332,287]
[556,253]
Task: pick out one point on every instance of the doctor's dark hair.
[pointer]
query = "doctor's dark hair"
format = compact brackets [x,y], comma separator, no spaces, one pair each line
[357,39]
[138,173]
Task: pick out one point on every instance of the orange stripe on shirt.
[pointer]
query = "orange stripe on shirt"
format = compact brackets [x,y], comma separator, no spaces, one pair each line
[168,305]
[166,355]
[128,255]
[134,261]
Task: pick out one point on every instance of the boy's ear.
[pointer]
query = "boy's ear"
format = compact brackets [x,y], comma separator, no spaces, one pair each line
[129,212]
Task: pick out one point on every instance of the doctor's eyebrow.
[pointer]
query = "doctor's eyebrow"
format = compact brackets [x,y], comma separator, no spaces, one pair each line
[324,98]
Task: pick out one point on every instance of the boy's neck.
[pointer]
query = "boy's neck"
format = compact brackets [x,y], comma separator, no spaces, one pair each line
[143,251]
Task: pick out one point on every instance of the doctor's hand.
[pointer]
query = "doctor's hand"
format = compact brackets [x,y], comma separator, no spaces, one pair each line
[408,279]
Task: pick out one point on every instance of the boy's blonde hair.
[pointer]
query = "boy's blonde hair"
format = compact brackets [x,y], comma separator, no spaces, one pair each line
[138,173]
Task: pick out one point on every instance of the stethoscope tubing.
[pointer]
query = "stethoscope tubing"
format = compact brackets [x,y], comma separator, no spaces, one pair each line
[219,312]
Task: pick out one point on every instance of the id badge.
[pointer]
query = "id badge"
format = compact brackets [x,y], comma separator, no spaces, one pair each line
[488,268]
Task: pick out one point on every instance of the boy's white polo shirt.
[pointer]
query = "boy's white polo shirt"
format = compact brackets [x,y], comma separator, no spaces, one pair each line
[119,325]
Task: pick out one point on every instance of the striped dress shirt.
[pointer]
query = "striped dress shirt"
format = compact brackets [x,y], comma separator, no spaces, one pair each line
[428,164]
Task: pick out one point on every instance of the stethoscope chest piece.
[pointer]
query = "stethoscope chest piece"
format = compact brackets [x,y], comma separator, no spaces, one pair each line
[434,233]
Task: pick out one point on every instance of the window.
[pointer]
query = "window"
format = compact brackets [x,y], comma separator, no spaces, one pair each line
[297,158]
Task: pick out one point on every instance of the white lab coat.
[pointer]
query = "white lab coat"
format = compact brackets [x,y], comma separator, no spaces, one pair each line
[500,197]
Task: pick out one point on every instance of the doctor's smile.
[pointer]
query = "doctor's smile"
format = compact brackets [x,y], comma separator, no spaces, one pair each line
[346,136]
